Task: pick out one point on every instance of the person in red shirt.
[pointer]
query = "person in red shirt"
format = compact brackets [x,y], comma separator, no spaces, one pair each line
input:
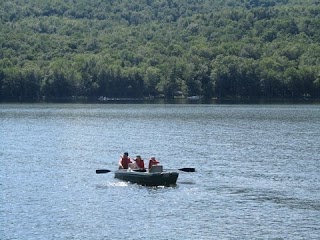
[124,161]
[153,162]
[139,161]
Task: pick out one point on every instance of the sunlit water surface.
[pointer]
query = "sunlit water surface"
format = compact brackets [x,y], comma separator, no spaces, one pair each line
[258,171]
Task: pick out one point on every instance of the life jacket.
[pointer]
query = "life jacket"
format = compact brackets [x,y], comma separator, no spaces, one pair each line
[152,162]
[140,163]
[125,162]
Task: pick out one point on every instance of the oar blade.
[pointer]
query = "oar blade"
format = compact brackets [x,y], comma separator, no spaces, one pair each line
[99,171]
[187,169]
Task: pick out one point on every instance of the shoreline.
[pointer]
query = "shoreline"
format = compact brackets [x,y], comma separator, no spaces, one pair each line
[167,101]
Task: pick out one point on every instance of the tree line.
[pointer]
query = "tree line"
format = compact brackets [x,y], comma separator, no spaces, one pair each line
[248,49]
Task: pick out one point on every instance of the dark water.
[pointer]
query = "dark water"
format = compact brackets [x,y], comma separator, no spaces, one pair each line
[258,171]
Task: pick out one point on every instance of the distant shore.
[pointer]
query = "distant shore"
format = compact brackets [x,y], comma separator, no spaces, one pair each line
[84,100]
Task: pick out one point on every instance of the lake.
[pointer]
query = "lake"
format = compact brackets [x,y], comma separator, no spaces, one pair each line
[257,171]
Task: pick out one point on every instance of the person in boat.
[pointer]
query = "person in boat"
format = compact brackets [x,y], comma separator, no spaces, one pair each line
[153,161]
[139,162]
[124,161]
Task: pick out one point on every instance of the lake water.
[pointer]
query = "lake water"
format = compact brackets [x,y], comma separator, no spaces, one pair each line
[258,171]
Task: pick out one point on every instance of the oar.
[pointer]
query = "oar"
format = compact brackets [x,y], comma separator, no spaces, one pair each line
[102,171]
[187,169]
[99,171]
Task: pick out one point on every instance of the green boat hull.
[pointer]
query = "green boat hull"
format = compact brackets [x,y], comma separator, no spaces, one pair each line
[148,179]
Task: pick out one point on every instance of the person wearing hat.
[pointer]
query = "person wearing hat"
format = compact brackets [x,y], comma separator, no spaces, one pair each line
[153,161]
[124,161]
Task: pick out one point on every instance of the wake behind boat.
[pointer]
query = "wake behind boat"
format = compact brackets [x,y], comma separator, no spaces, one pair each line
[154,177]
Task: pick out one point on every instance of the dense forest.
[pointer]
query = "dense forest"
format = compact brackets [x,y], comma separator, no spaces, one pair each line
[224,49]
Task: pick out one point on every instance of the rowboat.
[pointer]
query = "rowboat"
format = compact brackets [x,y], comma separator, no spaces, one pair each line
[153,177]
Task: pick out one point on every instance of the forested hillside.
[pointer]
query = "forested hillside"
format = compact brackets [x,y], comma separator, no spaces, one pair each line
[247,49]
